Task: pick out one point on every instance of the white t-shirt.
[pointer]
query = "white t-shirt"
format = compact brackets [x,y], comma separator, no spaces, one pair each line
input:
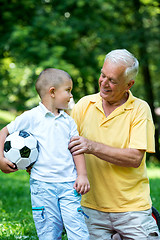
[53,133]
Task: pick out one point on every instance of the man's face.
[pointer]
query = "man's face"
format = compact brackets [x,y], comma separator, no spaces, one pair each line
[112,82]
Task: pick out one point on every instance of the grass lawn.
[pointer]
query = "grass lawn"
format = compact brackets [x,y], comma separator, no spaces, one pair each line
[16,220]
[154,177]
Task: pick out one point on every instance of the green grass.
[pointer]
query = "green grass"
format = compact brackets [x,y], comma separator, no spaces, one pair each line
[154,177]
[16,221]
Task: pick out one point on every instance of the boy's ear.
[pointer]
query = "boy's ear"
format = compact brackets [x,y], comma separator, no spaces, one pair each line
[52,91]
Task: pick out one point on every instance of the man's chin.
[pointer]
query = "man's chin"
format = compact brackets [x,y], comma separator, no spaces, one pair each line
[104,95]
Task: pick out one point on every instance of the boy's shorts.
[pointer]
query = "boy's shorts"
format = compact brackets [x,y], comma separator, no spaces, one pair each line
[130,225]
[55,205]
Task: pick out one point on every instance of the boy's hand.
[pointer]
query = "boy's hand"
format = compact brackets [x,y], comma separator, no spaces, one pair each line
[81,184]
[6,166]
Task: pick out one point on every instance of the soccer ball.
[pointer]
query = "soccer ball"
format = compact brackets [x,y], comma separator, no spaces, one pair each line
[21,148]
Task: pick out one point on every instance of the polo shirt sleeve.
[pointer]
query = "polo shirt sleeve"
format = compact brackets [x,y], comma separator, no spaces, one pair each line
[75,115]
[73,130]
[78,112]
[142,129]
[20,123]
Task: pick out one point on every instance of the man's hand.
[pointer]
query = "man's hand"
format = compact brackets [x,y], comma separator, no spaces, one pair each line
[81,184]
[6,166]
[79,145]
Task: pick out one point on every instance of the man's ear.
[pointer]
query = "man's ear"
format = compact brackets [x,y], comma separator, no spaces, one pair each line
[52,91]
[130,84]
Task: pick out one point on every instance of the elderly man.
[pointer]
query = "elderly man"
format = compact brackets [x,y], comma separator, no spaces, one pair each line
[116,130]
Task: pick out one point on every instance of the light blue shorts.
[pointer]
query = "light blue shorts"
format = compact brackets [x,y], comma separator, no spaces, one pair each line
[55,205]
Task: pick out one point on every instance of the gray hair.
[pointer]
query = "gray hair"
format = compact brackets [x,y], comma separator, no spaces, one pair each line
[124,57]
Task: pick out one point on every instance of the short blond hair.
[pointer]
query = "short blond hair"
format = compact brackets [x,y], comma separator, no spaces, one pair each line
[50,77]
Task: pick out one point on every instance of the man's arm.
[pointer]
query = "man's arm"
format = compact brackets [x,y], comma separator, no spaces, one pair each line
[5,165]
[81,184]
[127,157]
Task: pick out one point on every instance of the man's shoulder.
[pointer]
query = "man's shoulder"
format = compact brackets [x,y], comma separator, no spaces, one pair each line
[142,108]
[138,102]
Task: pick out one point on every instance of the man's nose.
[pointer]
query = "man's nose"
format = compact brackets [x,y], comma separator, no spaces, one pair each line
[105,82]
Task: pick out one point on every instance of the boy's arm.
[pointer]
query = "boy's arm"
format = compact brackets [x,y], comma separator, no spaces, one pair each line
[81,184]
[5,165]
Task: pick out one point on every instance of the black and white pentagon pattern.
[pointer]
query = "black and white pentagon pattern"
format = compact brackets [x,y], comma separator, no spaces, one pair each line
[21,148]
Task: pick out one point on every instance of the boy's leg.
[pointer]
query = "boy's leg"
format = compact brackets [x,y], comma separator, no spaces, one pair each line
[72,215]
[45,209]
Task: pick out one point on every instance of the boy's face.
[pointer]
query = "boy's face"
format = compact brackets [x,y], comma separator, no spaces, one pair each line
[63,94]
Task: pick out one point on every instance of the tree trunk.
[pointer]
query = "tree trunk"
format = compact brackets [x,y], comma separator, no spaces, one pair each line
[144,61]
[150,100]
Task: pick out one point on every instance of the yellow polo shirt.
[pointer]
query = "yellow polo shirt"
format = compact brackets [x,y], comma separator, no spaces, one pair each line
[115,188]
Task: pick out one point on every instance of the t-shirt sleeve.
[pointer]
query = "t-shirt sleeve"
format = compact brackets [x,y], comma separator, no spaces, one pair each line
[142,130]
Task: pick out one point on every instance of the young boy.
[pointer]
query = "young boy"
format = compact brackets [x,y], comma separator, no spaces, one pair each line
[56,186]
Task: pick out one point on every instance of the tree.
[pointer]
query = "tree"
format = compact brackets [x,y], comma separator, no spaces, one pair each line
[75,36]
[144,44]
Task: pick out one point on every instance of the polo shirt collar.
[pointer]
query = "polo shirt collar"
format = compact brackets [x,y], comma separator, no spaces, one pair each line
[127,105]
[46,112]
[98,101]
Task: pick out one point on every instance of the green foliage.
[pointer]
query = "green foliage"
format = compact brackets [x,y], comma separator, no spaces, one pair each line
[75,36]
[72,35]
[6,117]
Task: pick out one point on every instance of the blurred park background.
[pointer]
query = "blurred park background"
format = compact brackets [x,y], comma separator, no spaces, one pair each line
[73,35]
